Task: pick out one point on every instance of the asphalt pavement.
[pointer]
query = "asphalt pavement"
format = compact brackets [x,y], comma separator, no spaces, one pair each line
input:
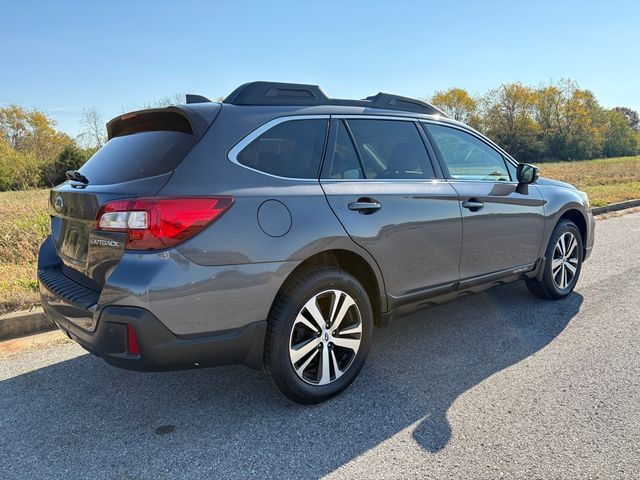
[498,384]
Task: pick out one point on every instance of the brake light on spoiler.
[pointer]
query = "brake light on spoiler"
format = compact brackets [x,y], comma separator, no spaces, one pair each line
[156,223]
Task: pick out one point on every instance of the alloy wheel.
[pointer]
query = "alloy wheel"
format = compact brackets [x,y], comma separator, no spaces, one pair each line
[325,337]
[564,264]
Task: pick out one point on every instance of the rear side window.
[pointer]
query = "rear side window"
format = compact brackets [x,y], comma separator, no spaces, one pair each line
[290,149]
[391,149]
[136,156]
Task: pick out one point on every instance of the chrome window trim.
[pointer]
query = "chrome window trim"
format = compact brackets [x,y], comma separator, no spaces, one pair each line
[386,180]
[348,116]
[232,156]
[510,182]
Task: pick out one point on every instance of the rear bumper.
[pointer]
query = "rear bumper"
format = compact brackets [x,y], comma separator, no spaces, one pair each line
[72,308]
[159,348]
[183,317]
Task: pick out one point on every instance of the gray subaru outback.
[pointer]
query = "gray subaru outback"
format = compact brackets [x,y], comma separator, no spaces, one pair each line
[277,228]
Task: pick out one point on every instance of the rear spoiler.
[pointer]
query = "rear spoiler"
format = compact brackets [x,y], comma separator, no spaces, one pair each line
[195,118]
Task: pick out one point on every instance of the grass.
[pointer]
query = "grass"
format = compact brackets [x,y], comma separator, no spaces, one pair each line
[24,221]
[606,181]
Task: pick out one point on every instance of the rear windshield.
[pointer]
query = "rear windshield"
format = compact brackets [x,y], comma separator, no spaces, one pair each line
[136,156]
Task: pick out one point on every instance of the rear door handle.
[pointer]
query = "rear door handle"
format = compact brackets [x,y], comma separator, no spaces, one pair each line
[473,204]
[365,205]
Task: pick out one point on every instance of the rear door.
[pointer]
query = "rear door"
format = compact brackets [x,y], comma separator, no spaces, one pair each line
[380,182]
[502,228]
[135,163]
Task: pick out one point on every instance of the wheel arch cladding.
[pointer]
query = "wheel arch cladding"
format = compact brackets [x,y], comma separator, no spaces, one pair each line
[354,264]
[577,217]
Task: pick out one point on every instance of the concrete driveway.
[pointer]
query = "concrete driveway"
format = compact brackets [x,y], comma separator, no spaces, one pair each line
[495,384]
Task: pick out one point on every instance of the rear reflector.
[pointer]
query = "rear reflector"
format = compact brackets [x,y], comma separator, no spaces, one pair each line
[156,223]
[132,341]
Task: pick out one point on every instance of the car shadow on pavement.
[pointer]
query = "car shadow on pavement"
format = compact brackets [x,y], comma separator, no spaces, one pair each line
[83,418]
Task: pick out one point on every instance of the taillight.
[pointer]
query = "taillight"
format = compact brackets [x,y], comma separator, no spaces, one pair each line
[157,223]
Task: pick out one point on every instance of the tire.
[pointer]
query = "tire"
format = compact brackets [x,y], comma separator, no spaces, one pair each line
[293,362]
[558,280]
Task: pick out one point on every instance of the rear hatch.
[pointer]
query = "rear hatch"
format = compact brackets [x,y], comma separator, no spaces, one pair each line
[143,150]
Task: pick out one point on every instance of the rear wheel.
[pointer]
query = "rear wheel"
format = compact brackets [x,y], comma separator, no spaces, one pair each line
[563,263]
[319,334]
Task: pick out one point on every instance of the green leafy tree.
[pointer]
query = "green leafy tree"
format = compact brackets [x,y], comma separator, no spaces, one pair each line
[550,114]
[633,119]
[571,121]
[619,137]
[72,157]
[18,170]
[508,119]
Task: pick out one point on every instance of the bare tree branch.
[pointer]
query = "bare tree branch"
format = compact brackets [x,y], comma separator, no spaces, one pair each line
[94,133]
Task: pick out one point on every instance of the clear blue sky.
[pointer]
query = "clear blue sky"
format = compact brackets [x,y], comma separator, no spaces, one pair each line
[62,57]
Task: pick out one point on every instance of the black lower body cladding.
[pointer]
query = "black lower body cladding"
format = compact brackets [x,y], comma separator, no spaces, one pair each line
[160,349]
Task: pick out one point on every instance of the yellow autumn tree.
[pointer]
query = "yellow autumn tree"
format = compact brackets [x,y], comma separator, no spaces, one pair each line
[33,137]
[458,104]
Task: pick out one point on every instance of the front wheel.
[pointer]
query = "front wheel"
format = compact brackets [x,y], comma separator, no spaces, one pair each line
[563,263]
[318,335]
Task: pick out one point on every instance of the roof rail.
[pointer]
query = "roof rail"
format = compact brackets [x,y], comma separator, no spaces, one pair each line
[193,98]
[276,93]
[396,102]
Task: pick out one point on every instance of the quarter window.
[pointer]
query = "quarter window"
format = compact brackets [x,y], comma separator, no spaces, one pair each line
[391,149]
[290,149]
[466,157]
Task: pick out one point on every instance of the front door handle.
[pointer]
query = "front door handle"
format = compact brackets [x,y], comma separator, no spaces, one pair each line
[365,205]
[473,204]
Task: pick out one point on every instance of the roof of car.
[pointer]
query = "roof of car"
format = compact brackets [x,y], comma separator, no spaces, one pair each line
[277,94]
[272,99]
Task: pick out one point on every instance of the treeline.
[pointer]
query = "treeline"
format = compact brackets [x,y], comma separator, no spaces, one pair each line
[33,153]
[557,121]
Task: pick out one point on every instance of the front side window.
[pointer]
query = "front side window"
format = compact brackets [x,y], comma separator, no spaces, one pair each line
[467,157]
[290,149]
[391,149]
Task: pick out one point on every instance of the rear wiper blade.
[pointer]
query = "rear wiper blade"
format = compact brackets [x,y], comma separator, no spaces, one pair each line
[76,176]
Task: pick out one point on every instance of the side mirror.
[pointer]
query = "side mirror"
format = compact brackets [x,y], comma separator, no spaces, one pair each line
[526,174]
